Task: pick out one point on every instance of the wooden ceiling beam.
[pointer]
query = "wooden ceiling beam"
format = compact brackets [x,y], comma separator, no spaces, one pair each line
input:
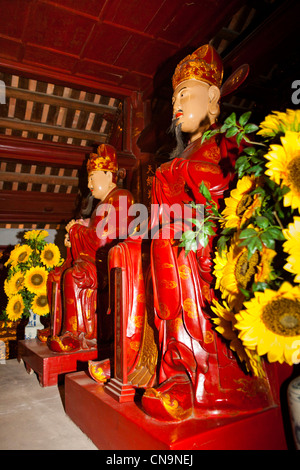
[30,151]
[41,128]
[60,101]
[37,179]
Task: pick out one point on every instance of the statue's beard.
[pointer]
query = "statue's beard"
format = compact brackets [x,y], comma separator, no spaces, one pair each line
[181,139]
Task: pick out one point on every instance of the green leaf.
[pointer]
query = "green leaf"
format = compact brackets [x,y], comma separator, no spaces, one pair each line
[245,292]
[225,127]
[257,170]
[188,235]
[241,165]
[259,286]
[232,131]
[275,233]
[205,136]
[215,211]
[205,191]
[209,230]
[250,150]
[221,243]
[248,232]
[244,118]
[231,120]
[203,239]
[269,242]
[240,137]
[196,222]
[262,222]
[253,245]
[249,128]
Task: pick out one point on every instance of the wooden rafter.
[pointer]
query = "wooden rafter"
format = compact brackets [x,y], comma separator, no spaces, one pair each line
[17,124]
[61,101]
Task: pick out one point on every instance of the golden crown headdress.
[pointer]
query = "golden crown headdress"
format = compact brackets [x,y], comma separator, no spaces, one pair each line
[105,159]
[204,64]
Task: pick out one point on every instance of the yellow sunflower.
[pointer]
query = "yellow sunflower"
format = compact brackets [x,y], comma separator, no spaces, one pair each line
[280,122]
[240,272]
[241,205]
[220,261]
[20,254]
[6,288]
[292,246]
[50,255]
[225,322]
[16,283]
[40,304]
[284,167]
[254,363]
[15,307]
[36,279]
[36,235]
[270,323]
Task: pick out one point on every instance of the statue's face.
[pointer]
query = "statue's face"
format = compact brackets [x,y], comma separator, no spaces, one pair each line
[190,105]
[100,184]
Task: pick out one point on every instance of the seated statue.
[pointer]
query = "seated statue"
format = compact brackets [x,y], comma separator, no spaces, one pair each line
[73,288]
[185,365]
[197,373]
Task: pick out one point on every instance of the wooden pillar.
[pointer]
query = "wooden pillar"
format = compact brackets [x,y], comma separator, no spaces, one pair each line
[118,386]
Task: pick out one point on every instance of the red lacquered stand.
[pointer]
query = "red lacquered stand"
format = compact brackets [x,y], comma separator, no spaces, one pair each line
[48,365]
[112,425]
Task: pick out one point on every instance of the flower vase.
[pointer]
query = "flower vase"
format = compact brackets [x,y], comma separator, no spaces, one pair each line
[33,325]
[293,395]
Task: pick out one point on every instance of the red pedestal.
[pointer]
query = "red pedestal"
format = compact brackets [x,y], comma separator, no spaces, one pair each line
[112,425]
[49,365]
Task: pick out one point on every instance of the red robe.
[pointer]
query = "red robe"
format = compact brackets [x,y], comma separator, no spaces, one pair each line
[85,270]
[191,351]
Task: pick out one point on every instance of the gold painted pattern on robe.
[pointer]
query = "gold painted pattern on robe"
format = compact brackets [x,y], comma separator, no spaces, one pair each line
[208,337]
[212,153]
[167,265]
[206,167]
[164,311]
[168,284]
[184,271]
[190,307]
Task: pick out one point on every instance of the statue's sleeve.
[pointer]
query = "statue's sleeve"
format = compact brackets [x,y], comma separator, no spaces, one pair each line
[104,226]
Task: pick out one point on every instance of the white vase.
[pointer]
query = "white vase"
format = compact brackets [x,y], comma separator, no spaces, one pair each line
[293,395]
[33,325]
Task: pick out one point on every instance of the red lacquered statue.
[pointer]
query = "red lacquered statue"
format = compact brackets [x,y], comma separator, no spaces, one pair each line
[169,345]
[73,287]
[197,373]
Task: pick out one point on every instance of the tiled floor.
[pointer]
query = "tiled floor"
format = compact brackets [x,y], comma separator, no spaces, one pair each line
[33,417]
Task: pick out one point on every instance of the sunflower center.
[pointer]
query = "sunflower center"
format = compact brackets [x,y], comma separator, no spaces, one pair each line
[294,173]
[22,256]
[37,279]
[19,282]
[17,307]
[48,255]
[42,301]
[245,268]
[244,204]
[282,316]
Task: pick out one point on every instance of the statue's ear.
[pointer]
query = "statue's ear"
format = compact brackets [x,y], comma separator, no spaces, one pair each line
[214,97]
[110,178]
